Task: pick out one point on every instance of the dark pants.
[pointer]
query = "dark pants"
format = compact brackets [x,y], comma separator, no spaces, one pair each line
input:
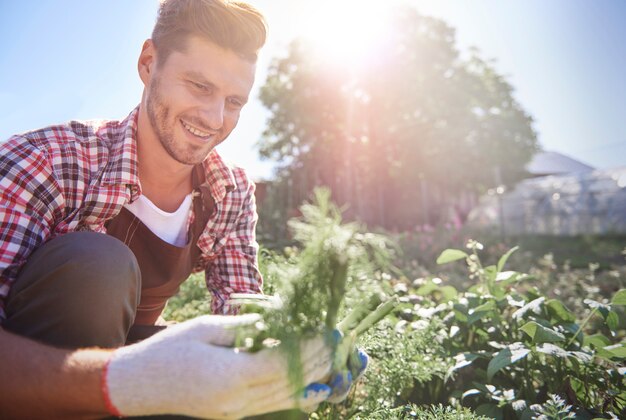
[77,290]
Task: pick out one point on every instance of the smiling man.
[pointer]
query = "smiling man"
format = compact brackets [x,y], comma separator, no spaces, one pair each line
[100,223]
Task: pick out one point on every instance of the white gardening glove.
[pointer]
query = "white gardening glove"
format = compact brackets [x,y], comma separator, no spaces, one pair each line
[191,369]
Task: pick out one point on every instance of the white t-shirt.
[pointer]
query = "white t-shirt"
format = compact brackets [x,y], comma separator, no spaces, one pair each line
[171,227]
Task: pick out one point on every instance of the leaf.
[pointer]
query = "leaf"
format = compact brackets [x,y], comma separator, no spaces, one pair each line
[578,387]
[505,257]
[486,389]
[599,306]
[460,313]
[454,330]
[558,310]
[519,405]
[583,357]
[469,392]
[448,293]
[573,328]
[612,321]
[551,349]
[505,357]
[491,272]
[465,359]
[616,350]
[527,414]
[426,289]
[450,255]
[610,317]
[596,341]
[619,298]
[490,410]
[462,360]
[533,306]
[540,334]
[480,332]
[507,277]
[485,307]
[480,312]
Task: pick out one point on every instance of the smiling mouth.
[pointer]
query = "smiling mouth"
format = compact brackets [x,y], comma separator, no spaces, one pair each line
[196,132]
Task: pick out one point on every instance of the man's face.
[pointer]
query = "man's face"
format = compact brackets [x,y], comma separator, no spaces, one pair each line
[194,98]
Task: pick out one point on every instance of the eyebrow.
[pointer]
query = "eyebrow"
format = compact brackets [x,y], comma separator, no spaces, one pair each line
[199,77]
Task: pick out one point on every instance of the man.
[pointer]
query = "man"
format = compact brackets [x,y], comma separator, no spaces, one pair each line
[100,222]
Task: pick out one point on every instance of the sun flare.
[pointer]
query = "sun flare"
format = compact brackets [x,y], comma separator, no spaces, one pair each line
[347,32]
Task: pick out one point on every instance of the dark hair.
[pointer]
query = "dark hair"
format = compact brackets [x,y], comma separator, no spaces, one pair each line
[233,25]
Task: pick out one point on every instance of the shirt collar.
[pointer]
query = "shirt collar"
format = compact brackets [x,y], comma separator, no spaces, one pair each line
[219,177]
[121,136]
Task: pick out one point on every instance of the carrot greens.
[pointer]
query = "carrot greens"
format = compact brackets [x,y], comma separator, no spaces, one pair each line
[335,260]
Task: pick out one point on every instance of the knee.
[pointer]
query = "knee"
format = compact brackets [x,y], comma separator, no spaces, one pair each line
[79,289]
[94,251]
[97,265]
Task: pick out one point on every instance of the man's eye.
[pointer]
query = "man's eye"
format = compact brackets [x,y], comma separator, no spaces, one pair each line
[200,86]
[236,103]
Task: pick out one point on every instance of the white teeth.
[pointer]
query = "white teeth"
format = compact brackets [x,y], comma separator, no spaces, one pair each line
[195,131]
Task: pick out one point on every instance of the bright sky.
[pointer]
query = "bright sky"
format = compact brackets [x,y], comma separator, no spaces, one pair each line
[76,59]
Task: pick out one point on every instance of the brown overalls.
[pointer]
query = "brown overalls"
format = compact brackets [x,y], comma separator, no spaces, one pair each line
[164,267]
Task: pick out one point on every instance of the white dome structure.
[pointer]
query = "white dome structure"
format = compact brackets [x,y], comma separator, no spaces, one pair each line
[555,163]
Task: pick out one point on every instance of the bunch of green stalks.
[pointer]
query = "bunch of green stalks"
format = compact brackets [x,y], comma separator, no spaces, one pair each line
[336,259]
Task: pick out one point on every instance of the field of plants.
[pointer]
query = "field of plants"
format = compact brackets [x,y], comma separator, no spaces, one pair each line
[479,332]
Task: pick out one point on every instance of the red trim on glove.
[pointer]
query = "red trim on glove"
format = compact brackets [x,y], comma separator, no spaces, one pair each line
[105,392]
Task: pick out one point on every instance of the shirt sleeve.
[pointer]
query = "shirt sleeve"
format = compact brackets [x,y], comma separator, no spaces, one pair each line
[235,270]
[29,199]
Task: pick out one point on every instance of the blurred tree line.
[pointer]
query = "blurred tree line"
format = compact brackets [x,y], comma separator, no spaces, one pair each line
[398,141]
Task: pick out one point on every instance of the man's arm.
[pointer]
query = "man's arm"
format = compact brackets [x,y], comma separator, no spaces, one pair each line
[30,199]
[236,268]
[190,369]
[40,381]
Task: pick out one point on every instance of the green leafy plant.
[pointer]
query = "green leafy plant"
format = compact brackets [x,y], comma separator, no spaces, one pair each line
[192,300]
[548,344]
[554,408]
[512,345]
[412,411]
[403,354]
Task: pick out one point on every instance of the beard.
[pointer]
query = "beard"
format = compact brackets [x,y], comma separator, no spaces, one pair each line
[159,116]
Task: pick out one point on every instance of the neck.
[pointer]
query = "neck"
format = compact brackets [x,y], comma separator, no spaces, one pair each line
[164,180]
[165,187]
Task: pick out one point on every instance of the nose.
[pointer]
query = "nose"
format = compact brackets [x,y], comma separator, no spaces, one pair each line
[212,113]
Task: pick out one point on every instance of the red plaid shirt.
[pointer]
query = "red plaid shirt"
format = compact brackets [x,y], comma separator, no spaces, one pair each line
[77,176]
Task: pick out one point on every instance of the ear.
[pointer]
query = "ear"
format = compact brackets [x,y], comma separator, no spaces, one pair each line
[147,61]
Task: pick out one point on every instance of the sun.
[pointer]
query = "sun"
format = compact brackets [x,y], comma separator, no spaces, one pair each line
[348,33]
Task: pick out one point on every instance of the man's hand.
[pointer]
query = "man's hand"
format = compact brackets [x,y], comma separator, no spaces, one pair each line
[191,369]
[341,382]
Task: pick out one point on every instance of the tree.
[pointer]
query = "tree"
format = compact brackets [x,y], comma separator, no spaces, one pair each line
[419,116]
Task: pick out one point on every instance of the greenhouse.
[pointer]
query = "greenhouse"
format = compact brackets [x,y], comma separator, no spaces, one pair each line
[587,202]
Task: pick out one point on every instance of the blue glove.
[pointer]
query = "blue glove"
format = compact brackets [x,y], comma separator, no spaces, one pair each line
[314,393]
[341,382]
[357,363]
